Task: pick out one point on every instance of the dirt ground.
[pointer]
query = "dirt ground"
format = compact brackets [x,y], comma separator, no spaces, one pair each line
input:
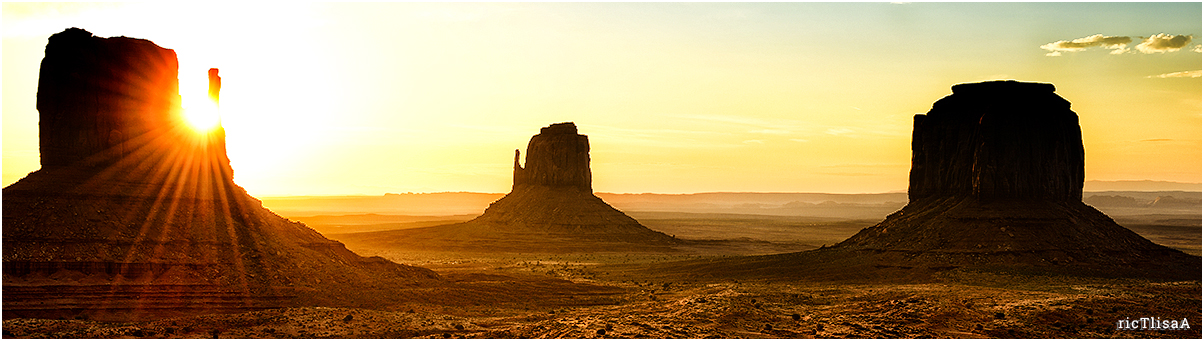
[611,295]
[957,305]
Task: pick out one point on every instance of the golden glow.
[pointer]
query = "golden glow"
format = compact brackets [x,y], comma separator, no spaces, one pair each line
[429,97]
[202,116]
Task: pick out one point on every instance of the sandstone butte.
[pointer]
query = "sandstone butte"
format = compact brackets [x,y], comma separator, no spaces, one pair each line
[996,185]
[550,208]
[135,215]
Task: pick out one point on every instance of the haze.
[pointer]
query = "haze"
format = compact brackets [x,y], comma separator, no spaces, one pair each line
[327,99]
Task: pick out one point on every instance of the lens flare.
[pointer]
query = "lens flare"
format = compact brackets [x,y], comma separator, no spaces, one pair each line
[203,116]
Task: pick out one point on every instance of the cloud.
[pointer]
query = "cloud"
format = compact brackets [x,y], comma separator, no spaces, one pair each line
[1115,43]
[754,142]
[1162,43]
[1197,48]
[1180,74]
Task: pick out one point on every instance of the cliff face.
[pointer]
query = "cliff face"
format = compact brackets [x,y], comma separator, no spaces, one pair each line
[996,141]
[135,208]
[557,157]
[98,95]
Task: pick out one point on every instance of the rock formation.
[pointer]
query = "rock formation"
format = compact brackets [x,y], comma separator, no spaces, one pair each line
[135,215]
[557,157]
[551,208]
[996,185]
[998,140]
[997,177]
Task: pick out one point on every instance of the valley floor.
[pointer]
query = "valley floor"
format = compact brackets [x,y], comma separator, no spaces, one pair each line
[611,295]
[955,305]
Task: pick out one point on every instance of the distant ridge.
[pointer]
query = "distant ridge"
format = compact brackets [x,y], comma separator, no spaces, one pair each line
[1140,185]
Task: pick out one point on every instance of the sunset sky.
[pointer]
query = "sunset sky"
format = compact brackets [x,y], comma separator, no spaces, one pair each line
[373,98]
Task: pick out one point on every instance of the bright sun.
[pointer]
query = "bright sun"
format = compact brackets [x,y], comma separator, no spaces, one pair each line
[202,116]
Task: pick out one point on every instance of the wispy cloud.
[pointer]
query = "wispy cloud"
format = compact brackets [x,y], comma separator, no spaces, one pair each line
[1158,43]
[1115,43]
[1197,49]
[1180,74]
[1162,43]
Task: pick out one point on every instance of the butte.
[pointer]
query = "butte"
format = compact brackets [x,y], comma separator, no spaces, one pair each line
[135,215]
[550,208]
[996,184]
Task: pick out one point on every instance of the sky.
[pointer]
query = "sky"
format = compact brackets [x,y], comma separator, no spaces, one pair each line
[373,98]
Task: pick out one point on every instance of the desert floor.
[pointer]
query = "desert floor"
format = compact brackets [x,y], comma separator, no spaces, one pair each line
[625,302]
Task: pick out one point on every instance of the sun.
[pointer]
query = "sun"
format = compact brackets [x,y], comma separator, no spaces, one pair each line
[202,116]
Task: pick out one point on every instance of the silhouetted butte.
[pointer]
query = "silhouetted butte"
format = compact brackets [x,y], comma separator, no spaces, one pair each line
[550,208]
[996,183]
[135,215]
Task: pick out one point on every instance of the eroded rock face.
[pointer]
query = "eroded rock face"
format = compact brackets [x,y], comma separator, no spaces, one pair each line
[557,157]
[135,215]
[998,140]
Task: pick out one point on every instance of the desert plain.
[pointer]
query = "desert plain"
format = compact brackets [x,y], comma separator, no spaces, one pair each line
[610,295]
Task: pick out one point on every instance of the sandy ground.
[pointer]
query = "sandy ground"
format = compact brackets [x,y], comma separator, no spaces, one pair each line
[604,295]
[958,305]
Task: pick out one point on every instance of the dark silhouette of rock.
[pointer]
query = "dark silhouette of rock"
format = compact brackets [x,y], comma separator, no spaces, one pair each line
[998,140]
[997,176]
[996,183]
[97,94]
[134,215]
[998,168]
[554,194]
[551,208]
[557,157]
